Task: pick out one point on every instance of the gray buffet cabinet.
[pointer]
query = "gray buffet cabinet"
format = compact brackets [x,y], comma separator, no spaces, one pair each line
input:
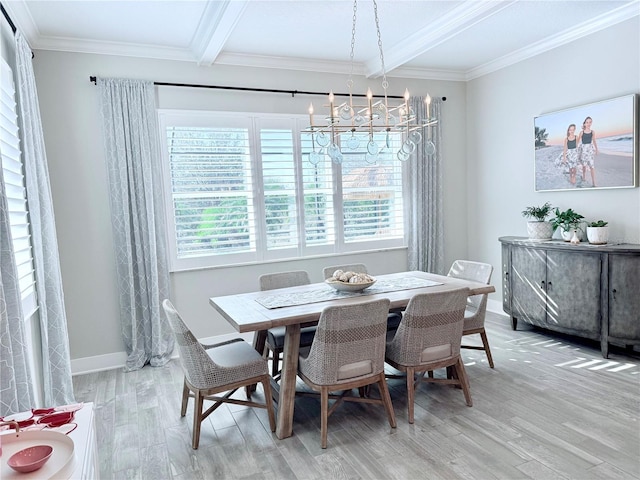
[590,291]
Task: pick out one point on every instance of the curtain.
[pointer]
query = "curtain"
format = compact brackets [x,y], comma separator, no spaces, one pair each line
[131,142]
[16,391]
[56,364]
[425,227]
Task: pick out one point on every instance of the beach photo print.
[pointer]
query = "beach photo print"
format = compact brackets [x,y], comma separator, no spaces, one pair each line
[586,147]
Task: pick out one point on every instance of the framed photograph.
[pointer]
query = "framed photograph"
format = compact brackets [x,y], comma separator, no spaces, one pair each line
[588,147]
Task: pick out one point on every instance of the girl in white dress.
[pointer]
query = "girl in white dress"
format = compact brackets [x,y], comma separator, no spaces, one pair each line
[588,149]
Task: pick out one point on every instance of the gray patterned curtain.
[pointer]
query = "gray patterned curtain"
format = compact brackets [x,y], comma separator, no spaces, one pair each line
[16,391]
[425,220]
[56,362]
[132,152]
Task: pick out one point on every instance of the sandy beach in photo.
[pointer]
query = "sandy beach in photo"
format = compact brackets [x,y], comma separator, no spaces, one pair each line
[611,171]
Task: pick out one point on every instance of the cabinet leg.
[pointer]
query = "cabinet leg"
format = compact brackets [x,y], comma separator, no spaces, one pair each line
[604,348]
[514,323]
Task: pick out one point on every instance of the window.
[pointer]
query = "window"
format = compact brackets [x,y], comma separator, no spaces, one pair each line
[15,190]
[240,188]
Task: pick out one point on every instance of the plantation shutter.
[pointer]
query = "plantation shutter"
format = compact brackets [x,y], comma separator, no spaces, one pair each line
[15,190]
[372,189]
[279,187]
[211,188]
[317,180]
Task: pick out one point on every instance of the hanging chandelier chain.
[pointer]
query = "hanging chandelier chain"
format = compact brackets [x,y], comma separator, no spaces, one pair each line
[353,42]
[385,84]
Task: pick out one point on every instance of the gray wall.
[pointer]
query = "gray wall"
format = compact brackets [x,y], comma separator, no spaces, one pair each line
[500,110]
[70,115]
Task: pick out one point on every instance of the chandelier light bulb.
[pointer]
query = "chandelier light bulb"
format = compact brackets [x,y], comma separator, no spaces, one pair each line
[369,94]
[406,94]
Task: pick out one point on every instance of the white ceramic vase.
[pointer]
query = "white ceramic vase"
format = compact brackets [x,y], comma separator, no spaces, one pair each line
[598,235]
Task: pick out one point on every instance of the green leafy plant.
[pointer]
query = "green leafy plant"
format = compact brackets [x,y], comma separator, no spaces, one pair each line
[538,213]
[567,220]
[599,223]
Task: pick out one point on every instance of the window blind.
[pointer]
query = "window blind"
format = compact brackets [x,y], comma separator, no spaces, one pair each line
[12,169]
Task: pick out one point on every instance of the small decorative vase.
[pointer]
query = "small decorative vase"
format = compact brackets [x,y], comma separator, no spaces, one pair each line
[575,240]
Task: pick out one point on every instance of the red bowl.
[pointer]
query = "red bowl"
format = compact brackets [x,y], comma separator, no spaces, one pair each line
[30,459]
[57,419]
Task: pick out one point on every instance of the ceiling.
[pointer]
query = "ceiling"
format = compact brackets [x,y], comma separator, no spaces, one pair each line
[430,39]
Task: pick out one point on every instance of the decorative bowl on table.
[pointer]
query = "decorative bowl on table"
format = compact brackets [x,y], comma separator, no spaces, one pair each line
[30,459]
[350,281]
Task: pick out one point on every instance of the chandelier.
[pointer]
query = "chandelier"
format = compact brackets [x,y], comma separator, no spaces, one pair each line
[377,119]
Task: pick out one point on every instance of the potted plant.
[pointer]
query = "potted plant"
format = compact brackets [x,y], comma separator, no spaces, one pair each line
[569,222]
[538,228]
[598,232]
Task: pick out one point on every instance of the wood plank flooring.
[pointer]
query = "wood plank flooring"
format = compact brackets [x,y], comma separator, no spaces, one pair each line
[552,408]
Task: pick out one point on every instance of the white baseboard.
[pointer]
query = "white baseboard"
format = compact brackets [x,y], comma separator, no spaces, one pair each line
[495,306]
[111,361]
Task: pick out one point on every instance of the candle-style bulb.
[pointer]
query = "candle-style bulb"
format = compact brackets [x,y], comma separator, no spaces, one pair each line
[331,96]
[369,94]
[428,99]
[406,94]
[311,108]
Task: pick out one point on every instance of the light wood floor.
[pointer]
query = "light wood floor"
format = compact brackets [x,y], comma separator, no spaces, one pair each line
[552,408]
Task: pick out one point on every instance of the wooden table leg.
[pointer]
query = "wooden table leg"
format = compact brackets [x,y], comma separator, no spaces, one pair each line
[284,424]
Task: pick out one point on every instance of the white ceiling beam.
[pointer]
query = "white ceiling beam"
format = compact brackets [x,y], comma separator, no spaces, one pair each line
[216,24]
[449,25]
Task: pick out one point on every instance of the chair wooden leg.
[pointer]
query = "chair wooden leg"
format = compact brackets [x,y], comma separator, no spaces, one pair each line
[324,416]
[430,373]
[411,392]
[197,419]
[487,350]
[185,398]
[386,400]
[275,363]
[461,374]
[266,386]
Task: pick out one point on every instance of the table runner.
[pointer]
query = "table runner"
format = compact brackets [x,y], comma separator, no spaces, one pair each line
[326,292]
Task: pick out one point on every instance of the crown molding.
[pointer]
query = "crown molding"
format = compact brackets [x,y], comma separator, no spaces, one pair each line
[22,19]
[287,63]
[577,32]
[113,48]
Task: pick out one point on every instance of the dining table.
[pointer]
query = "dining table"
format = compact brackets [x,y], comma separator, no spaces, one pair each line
[295,306]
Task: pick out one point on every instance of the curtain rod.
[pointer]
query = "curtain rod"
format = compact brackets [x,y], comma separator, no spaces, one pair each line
[6,15]
[293,93]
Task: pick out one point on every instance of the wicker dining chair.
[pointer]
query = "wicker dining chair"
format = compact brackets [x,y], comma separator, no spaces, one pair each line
[428,338]
[347,352]
[274,337]
[393,317]
[476,310]
[213,369]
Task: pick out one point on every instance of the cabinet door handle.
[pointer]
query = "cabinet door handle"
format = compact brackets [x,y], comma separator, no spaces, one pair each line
[549,285]
[542,285]
[614,293]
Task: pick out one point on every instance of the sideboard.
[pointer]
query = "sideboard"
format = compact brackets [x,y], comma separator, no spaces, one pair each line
[591,291]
